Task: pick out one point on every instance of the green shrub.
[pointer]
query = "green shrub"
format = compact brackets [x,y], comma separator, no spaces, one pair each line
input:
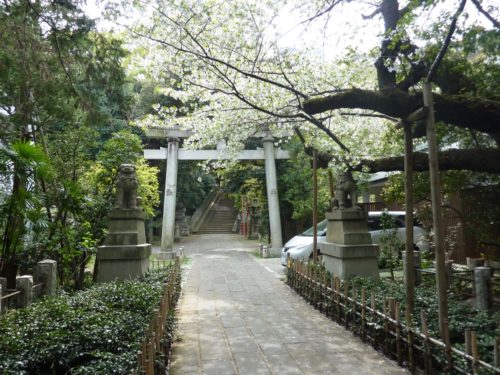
[97,331]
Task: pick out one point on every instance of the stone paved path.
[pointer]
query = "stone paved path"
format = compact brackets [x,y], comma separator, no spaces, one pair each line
[237,317]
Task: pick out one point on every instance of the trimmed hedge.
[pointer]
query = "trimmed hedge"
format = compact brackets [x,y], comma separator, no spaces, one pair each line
[96,331]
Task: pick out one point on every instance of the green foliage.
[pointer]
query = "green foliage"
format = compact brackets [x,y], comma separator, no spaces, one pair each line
[193,185]
[390,243]
[97,331]
[296,187]
[62,87]
[99,180]
[24,163]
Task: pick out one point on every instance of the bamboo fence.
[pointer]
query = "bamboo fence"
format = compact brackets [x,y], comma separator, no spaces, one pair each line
[153,357]
[384,323]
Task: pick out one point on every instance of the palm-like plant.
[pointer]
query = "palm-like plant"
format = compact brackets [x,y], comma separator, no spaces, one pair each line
[22,163]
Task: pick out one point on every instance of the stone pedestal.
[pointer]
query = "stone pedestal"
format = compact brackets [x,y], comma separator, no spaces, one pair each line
[125,253]
[417,261]
[181,224]
[348,250]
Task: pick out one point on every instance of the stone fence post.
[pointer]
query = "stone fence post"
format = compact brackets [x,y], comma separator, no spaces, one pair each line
[417,261]
[482,276]
[24,284]
[46,273]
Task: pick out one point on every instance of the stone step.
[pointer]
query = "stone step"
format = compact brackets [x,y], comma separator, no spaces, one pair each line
[220,219]
[226,231]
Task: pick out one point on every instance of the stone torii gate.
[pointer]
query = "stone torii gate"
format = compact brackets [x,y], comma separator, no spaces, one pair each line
[172,154]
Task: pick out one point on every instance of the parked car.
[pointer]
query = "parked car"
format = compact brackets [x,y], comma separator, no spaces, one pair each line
[301,246]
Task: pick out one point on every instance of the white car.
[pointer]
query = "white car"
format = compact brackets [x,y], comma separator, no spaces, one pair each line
[301,246]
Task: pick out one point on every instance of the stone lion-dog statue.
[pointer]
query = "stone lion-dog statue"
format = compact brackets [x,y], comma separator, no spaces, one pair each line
[345,193]
[126,187]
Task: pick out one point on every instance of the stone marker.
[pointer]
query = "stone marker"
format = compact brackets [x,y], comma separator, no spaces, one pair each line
[482,276]
[125,253]
[417,261]
[24,284]
[46,273]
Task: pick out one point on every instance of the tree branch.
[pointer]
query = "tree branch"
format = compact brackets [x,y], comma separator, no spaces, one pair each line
[484,160]
[486,14]
[446,43]
[461,111]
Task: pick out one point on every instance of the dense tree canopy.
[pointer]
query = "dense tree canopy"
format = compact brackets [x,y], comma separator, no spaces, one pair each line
[63,98]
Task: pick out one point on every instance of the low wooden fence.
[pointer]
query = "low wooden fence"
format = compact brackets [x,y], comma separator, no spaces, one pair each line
[153,357]
[388,328]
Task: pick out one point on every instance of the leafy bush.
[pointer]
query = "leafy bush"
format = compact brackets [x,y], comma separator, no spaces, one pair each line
[97,331]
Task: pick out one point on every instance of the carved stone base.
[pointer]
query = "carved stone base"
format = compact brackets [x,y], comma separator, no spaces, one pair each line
[125,253]
[348,250]
[118,263]
[346,261]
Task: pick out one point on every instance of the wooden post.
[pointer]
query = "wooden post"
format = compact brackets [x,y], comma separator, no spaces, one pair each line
[301,276]
[305,280]
[346,302]
[316,285]
[437,217]
[354,298]
[496,353]
[332,283]
[363,313]
[140,362]
[468,344]
[313,285]
[337,297]
[409,325]
[324,296]
[315,206]
[385,310]
[373,304]
[427,347]
[398,334]
[150,362]
[408,165]
[475,352]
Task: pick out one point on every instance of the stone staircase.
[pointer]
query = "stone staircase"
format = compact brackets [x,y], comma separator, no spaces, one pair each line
[220,218]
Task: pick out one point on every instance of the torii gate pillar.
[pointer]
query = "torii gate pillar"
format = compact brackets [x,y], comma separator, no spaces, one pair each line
[272,197]
[173,154]
[169,201]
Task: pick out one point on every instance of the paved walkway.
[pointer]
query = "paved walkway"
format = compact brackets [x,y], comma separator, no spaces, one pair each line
[237,317]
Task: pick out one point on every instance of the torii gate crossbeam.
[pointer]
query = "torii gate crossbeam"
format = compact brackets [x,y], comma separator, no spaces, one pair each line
[172,154]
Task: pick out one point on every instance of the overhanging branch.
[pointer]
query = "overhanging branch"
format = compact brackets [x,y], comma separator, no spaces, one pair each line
[483,160]
[479,114]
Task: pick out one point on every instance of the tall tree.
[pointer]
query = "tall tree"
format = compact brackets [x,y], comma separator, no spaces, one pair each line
[62,87]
